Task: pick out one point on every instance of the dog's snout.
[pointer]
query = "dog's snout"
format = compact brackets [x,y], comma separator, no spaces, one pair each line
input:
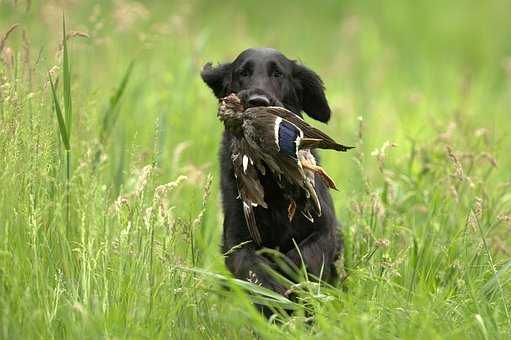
[258,100]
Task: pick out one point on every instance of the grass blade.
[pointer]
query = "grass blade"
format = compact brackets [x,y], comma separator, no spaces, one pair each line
[68,107]
[62,125]
[260,294]
[112,112]
[501,277]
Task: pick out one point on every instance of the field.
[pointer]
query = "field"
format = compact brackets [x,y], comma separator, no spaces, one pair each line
[110,222]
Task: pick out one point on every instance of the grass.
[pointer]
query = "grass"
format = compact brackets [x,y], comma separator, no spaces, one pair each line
[121,240]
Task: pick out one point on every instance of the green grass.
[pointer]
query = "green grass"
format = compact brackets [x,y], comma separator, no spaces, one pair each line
[121,245]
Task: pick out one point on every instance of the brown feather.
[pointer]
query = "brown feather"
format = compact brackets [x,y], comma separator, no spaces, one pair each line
[249,187]
[253,229]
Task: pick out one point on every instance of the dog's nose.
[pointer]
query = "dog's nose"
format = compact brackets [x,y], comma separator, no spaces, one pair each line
[258,100]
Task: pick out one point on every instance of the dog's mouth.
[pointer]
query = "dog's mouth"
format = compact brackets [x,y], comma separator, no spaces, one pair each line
[257,97]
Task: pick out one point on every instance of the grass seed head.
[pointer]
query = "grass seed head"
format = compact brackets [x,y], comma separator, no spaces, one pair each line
[381,153]
[505,218]
[458,168]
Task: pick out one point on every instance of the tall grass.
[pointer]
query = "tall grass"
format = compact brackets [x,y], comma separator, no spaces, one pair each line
[111,228]
[64,125]
[112,114]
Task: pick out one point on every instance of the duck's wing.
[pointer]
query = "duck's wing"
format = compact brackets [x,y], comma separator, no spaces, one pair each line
[278,141]
[271,134]
[249,187]
[312,137]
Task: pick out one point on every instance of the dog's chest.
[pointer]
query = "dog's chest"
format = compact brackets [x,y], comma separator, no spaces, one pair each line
[276,228]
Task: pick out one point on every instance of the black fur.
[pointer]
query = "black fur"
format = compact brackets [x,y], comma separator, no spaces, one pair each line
[283,82]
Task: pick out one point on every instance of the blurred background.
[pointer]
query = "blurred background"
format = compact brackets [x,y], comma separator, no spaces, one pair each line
[406,68]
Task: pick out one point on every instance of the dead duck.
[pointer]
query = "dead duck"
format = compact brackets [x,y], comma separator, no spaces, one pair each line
[271,138]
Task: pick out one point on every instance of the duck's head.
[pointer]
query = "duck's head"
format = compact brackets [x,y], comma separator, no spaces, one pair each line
[232,102]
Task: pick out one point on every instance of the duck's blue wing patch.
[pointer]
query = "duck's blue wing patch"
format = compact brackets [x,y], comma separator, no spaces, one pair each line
[288,135]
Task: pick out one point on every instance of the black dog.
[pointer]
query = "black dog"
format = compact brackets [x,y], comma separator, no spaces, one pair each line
[264,77]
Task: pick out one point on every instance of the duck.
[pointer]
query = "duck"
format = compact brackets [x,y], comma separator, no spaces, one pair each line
[272,139]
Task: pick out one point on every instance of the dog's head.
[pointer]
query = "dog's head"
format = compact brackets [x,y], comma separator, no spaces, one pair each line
[264,77]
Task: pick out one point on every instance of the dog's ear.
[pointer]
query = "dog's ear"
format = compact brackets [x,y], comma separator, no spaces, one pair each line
[217,78]
[312,93]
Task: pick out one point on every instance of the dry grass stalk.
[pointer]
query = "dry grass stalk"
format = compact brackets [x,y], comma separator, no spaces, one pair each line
[382,243]
[501,246]
[475,214]
[360,131]
[488,157]
[7,57]
[447,135]
[458,168]
[6,35]
[478,207]
[141,183]
[378,208]
[26,58]
[77,34]
[196,174]
[178,151]
[69,36]
[142,180]
[381,154]
[207,191]
[454,193]
[161,202]
[505,218]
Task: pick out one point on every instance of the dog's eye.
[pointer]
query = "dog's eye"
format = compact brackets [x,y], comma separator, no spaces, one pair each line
[245,73]
[277,74]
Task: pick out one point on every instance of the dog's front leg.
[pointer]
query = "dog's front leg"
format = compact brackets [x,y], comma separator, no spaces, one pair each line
[245,264]
[317,252]
[241,257]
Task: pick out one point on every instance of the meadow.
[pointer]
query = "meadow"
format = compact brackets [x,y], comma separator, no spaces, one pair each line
[110,217]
